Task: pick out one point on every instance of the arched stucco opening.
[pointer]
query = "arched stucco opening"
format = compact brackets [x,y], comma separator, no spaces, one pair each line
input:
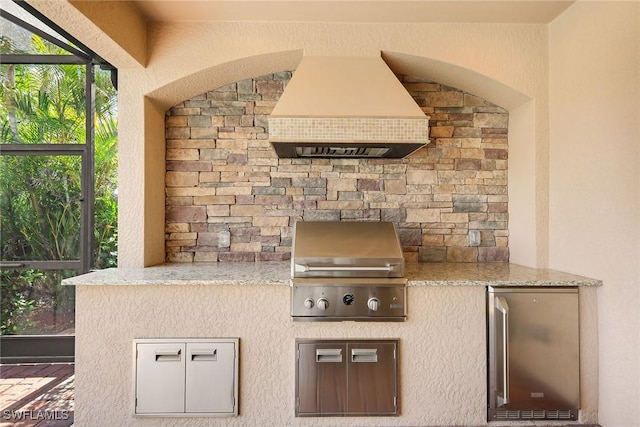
[417,66]
[455,76]
[523,186]
[222,74]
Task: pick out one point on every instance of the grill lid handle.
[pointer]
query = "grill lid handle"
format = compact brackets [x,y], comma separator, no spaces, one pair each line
[304,268]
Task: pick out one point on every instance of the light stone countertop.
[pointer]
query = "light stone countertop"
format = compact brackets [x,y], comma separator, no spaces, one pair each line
[493,274]
[278,273]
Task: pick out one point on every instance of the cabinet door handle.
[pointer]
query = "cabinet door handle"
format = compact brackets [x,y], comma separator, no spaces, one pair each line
[503,307]
[168,355]
[202,355]
[364,355]
[331,355]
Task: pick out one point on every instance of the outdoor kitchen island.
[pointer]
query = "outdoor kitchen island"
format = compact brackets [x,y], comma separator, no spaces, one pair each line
[442,344]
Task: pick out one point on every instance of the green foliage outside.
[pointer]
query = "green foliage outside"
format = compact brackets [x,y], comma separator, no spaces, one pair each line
[40,196]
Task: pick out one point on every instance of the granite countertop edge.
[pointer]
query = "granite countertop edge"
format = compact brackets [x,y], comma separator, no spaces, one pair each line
[277,273]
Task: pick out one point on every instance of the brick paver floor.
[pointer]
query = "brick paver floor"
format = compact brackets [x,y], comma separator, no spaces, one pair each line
[36,394]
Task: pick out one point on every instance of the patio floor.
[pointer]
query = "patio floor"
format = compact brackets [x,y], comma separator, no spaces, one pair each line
[41,394]
[36,394]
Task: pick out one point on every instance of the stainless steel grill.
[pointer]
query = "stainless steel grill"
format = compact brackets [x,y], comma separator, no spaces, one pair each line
[347,271]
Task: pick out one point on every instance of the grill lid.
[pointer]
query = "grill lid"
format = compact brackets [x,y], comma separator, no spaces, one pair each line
[346,249]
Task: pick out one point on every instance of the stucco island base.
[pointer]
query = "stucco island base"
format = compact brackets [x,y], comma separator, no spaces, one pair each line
[442,348]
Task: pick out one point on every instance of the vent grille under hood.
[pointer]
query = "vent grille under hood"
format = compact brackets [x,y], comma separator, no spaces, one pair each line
[346,107]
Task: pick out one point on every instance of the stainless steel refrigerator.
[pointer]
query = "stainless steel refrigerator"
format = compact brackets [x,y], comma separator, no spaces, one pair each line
[533,353]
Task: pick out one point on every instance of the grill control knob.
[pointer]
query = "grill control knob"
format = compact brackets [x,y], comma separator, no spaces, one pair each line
[374,304]
[308,303]
[323,303]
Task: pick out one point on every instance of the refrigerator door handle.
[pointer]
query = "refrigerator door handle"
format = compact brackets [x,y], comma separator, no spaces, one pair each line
[503,307]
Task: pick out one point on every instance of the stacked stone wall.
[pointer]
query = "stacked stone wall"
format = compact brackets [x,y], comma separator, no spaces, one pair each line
[223,176]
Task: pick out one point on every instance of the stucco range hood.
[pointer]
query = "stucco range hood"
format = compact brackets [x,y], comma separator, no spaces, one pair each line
[346,107]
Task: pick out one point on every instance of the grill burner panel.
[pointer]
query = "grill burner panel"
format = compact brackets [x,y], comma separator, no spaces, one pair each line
[354,299]
[347,271]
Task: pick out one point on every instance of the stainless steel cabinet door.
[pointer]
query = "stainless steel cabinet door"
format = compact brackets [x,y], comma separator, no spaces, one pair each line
[210,374]
[322,378]
[186,377]
[160,378]
[346,377]
[372,378]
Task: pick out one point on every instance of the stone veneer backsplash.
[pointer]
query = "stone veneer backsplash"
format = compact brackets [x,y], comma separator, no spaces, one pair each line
[223,176]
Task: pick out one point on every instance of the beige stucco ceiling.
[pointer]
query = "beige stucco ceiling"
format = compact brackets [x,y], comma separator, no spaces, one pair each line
[380,11]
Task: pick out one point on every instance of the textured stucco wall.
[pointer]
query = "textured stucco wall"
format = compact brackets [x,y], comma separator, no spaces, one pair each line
[442,351]
[115,31]
[595,181]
